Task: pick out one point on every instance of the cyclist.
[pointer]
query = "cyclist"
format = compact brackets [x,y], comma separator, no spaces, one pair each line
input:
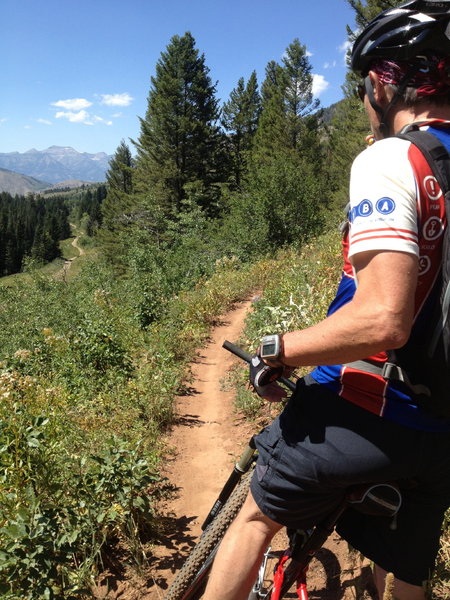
[346,425]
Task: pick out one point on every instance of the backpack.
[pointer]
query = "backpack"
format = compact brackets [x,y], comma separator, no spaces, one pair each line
[424,364]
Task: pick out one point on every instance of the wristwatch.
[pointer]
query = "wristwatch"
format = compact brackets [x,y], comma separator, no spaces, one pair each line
[271,348]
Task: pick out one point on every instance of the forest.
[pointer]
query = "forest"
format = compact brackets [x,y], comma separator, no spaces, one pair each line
[209,204]
[30,228]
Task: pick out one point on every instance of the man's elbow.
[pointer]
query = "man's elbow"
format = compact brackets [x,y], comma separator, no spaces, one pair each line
[395,333]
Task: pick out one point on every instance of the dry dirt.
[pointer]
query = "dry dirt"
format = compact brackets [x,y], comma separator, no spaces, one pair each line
[204,443]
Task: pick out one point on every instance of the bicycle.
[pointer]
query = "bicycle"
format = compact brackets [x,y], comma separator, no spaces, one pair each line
[381,499]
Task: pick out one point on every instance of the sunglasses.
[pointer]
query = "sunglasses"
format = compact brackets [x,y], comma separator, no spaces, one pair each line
[361,91]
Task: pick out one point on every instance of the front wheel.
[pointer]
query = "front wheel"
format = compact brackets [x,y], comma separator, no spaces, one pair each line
[191,580]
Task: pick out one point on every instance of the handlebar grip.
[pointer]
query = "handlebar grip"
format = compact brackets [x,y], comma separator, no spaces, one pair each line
[237,351]
[248,357]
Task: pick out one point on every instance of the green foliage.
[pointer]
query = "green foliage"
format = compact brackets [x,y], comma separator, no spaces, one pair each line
[348,130]
[298,294]
[179,140]
[86,390]
[30,227]
[240,117]
[58,507]
[118,206]
[282,205]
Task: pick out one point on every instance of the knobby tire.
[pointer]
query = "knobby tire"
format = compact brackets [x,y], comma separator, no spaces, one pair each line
[191,580]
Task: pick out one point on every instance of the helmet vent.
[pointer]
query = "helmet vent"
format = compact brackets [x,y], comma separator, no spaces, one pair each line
[422,18]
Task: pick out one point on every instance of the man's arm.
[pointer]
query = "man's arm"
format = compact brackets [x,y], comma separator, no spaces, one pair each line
[379,317]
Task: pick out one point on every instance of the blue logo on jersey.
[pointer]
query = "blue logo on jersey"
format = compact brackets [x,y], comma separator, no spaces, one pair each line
[385,206]
[364,209]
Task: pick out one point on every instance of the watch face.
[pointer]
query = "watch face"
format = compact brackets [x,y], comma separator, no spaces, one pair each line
[269,349]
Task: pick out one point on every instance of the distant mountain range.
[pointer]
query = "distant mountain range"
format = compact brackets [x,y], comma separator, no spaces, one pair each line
[57,164]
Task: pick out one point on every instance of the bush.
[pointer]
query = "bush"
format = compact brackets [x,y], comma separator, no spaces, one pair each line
[58,506]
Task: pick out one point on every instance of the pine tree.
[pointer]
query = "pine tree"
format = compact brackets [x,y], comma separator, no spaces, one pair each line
[298,94]
[289,117]
[179,140]
[240,117]
[285,173]
[271,135]
[118,207]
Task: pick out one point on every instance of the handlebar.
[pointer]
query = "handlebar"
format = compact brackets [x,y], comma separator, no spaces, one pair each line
[248,357]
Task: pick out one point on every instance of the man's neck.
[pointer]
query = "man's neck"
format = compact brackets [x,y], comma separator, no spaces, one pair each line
[406,116]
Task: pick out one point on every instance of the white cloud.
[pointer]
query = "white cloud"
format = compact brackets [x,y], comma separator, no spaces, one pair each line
[27,127]
[117,99]
[330,65]
[308,53]
[44,121]
[81,116]
[3,120]
[101,120]
[71,104]
[319,85]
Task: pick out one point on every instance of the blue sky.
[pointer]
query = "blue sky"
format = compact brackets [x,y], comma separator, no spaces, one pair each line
[77,73]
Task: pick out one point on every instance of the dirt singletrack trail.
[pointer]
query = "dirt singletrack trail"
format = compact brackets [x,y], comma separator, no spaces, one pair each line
[207,438]
[62,274]
[203,445]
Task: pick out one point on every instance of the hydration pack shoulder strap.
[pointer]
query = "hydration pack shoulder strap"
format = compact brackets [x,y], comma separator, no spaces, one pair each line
[435,153]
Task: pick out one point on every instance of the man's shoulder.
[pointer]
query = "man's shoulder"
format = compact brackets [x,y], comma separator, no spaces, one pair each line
[389,146]
[384,155]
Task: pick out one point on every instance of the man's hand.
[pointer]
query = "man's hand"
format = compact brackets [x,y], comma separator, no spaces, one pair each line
[263,378]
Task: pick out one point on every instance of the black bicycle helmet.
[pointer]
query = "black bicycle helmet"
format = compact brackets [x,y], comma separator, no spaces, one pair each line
[403,33]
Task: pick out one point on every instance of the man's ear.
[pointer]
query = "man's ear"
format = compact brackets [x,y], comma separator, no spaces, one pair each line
[379,91]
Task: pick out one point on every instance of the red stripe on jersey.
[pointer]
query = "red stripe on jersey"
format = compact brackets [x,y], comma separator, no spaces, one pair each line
[365,231]
[385,237]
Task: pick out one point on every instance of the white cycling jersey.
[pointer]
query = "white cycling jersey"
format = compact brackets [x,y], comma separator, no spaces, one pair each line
[396,204]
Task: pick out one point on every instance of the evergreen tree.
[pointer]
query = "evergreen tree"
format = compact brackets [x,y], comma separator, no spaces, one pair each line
[284,185]
[298,94]
[30,226]
[290,117]
[118,207]
[271,135]
[240,118]
[179,143]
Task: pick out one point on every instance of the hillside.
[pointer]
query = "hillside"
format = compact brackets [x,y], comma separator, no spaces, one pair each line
[15,183]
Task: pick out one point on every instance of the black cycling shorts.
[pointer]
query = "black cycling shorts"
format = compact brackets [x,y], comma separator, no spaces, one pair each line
[321,444]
